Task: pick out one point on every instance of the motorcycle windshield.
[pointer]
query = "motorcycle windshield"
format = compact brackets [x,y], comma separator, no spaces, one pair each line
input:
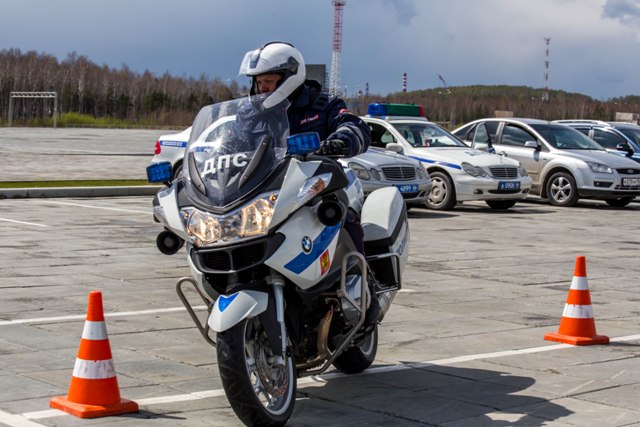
[233,147]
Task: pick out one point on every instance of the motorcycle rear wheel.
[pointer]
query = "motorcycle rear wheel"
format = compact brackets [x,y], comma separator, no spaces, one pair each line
[261,393]
[359,357]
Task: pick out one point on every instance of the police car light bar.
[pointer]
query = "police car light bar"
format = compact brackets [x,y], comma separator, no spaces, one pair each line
[384,110]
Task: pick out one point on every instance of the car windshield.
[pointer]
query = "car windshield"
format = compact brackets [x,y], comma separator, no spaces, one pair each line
[233,147]
[565,138]
[631,133]
[427,135]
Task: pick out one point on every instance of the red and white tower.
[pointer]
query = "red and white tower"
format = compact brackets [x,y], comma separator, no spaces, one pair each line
[545,94]
[335,80]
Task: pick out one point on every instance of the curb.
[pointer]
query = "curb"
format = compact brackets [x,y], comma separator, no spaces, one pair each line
[29,193]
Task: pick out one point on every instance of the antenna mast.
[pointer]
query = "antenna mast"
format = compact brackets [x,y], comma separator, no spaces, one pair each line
[545,94]
[335,85]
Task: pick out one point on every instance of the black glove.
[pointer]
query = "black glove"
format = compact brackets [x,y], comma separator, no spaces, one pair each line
[331,147]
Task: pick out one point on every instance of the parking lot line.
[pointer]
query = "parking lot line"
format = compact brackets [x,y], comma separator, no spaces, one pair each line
[24,222]
[15,420]
[325,377]
[81,205]
[83,316]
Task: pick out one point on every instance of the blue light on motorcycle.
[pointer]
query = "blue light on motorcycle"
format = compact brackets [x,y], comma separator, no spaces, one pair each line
[159,172]
[303,143]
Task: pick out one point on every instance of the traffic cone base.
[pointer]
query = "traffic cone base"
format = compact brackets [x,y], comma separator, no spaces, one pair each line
[94,388]
[82,410]
[596,339]
[577,326]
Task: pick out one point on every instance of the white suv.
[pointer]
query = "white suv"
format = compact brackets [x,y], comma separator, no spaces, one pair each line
[565,165]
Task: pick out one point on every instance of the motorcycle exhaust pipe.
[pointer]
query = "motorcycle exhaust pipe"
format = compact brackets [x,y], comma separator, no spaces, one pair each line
[168,243]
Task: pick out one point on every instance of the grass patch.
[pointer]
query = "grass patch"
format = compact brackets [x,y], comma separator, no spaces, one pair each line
[81,183]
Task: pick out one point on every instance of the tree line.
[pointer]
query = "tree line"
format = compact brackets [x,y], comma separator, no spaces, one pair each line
[86,88]
[145,99]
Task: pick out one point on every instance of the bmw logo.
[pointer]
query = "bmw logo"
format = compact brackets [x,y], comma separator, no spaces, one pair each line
[307,244]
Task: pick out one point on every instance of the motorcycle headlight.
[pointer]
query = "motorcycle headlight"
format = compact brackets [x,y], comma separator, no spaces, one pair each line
[250,220]
[473,170]
[360,170]
[599,168]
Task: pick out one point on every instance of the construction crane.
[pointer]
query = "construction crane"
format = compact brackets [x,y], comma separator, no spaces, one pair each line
[446,86]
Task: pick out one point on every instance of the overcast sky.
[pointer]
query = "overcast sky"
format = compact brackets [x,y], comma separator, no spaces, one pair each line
[594,48]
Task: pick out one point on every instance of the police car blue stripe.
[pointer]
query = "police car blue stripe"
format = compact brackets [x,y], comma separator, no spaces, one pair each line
[436,162]
[351,176]
[181,144]
[302,261]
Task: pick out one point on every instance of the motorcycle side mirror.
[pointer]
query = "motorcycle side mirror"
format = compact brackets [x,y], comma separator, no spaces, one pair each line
[303,143]
[159,172]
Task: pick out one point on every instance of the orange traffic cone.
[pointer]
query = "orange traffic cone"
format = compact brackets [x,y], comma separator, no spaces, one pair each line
[577,325]
[94,387]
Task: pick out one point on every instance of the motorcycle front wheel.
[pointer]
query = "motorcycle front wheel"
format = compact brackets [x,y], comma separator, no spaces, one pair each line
[260,391]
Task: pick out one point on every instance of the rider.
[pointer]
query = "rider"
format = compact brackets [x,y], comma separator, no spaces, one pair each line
[279,68]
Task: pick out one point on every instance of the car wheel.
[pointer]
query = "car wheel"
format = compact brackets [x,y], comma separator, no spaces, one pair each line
[443,194]
[177,173]
[620,202]
[562,190]
[500,204]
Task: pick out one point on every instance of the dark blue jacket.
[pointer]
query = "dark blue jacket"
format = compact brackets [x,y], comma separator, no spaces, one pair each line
[314,111]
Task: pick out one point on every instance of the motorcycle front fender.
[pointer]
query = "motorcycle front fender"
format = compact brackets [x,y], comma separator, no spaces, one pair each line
[229,310]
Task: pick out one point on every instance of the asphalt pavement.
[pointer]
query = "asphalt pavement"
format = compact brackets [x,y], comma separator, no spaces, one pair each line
[462,345]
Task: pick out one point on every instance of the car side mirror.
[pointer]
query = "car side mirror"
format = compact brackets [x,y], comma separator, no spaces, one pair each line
[533,144]
[395,147]
[624,147]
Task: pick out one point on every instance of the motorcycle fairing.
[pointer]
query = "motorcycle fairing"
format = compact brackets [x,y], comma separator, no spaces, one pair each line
[168,212]
[294,259]
[297,173]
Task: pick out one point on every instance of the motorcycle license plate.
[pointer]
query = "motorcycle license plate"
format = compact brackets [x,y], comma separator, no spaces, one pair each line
[630,182]
[407,188]
[509,185]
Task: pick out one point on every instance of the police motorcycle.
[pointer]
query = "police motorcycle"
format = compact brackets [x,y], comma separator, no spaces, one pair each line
[261,218]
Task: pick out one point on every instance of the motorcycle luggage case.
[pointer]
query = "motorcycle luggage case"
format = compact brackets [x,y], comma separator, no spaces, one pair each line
[386,230]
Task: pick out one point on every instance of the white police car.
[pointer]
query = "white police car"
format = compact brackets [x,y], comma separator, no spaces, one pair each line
[458,173]
[375,168]
[170,148]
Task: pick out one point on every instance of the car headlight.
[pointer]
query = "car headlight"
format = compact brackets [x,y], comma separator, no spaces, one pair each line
[599,168]
[421,172]
[360,170]
[375,174]
[250,220]
[473,170]
[522,171]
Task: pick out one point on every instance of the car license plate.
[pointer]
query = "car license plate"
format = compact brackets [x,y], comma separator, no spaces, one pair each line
[630,182]
[407,188]
[509,185]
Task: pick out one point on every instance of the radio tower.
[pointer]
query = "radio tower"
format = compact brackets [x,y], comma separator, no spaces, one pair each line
[545,94]
[335,85]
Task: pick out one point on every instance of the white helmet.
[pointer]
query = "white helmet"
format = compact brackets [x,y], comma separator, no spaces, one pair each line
[278,58]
